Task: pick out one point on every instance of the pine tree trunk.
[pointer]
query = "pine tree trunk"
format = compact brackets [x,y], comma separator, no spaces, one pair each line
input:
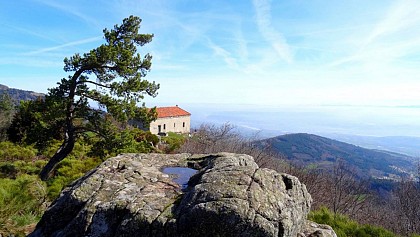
[70,138]
[59,155]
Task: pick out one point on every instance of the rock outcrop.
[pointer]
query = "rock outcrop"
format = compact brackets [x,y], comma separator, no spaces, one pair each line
[130,195]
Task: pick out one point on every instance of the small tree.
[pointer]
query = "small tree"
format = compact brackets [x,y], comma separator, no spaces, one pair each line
[36,123]
[7,110]
[347,194]
[117,86]
[407,205]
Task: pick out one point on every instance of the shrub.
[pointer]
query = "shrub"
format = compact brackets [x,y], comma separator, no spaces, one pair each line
[22,201]
[11,152]
[124,141]
[13,169]
[67,171]
[80,150]
[344,227]
[174,141]
[146,136]
[8,170]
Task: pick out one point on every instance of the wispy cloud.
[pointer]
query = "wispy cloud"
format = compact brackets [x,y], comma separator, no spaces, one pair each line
[402,16]
[27,31]
[195,32]
[69,9]
[275,38]
[32,62]
[74,43]
[394,36]
[242,44]
[219,51]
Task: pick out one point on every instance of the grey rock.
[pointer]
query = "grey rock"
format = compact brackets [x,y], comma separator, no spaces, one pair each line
[313,229]
[129,195]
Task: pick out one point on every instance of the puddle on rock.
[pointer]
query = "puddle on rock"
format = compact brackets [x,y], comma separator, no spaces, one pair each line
[183,174]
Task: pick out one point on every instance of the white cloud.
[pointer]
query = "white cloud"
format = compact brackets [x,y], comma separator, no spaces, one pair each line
[394,36]
[275,38]
[29,32]
[242,44]
[70,9]
[219,51]
[402,16]
[74,43]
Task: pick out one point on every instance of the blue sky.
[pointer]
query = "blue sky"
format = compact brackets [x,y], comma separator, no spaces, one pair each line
[261,52]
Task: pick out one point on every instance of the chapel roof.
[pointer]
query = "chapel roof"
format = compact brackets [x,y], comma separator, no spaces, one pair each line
[172,111]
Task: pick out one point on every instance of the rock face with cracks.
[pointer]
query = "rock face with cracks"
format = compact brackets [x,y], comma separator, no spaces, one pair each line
[230,195]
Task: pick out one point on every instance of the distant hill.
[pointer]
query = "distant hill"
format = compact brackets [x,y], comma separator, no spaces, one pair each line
[17,95]
[307,149]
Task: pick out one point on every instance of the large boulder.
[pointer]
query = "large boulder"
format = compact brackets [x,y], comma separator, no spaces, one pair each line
[130,195]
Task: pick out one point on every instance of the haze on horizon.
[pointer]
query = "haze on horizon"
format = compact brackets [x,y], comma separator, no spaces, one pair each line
[359,57]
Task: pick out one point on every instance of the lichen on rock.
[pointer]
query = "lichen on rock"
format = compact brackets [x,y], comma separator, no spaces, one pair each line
[129,195]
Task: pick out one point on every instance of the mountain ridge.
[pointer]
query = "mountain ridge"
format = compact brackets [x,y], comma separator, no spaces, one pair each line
[309,149]
[17,94]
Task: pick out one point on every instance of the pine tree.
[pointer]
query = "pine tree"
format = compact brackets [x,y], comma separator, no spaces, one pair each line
[111,75]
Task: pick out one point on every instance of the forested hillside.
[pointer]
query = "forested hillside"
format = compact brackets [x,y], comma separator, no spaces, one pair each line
[17,95]
[308,149]
[339,189]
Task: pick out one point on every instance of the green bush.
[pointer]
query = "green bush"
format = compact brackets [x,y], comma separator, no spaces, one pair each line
[174,141]
[344,227]
[130,140]
[51,149]
[37,122]
[22,202]
[8,170]
[68,170]
[32,168]
[13,169]
[11,152]
[146,136]
[80,150]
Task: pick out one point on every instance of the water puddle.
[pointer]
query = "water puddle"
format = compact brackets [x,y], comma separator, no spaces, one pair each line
[183,174]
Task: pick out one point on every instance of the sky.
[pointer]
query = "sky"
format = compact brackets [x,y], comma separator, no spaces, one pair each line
[242,52]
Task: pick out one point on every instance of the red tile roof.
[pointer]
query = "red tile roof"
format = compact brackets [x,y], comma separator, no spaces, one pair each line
[173,111]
